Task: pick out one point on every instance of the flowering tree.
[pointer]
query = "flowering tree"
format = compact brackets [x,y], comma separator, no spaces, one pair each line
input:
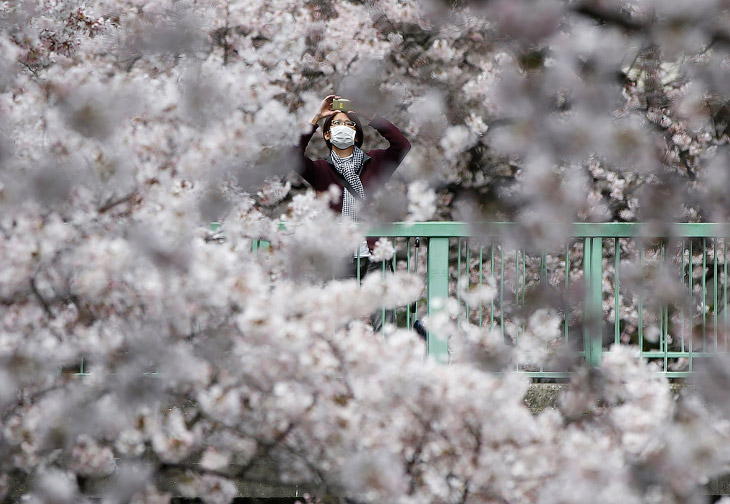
[127,126]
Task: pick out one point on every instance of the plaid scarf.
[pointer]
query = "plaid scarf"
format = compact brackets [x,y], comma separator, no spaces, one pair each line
[349,168]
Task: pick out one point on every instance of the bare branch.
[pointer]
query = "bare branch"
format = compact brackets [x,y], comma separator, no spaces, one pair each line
[111,203]
[609,16]
[41,299]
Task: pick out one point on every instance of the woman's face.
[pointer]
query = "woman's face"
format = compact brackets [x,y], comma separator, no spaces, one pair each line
[340,119]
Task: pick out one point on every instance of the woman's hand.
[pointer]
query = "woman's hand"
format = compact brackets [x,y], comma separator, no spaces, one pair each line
[325,109]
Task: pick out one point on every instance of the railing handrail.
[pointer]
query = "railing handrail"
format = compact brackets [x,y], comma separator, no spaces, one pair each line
[453,229]
[591,234]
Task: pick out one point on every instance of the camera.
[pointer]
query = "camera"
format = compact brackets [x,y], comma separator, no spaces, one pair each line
[341,104]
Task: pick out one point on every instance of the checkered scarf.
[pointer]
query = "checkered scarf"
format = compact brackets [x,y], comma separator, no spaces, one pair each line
[349,167]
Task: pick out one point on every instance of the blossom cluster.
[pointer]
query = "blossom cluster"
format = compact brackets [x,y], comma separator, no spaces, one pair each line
[143,356]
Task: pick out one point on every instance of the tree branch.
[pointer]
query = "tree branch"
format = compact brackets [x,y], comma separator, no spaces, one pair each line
[41,299]
[111,203]
[608,16]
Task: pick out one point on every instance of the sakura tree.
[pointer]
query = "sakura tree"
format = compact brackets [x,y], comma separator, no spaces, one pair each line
[142,359]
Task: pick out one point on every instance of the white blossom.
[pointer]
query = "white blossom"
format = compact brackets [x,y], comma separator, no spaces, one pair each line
[421,202]
[172,440]
[91,459]
[126,126]
[383,250]
[377,476]
[456,139]
[273,192]
[214,459]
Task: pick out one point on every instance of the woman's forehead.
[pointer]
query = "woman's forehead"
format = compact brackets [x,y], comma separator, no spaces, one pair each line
[341,116]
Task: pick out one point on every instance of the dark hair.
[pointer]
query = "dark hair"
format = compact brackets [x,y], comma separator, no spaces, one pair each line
[358,128]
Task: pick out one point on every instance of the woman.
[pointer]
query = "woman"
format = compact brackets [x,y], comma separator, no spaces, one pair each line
[355,172]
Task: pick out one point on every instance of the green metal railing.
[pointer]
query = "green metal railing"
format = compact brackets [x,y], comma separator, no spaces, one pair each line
[663,290]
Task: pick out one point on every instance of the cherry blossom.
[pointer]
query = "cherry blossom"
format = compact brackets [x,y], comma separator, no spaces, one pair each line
[140,347]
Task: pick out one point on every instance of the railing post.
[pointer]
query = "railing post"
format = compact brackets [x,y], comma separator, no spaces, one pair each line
[593,300]
[438,293]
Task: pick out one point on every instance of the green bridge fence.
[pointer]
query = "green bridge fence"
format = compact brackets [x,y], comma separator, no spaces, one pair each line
[662,290]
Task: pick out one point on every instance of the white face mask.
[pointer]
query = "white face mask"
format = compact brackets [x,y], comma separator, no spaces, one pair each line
[342,137]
